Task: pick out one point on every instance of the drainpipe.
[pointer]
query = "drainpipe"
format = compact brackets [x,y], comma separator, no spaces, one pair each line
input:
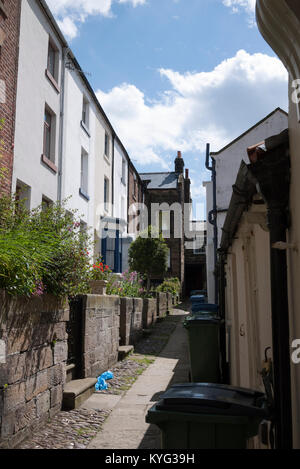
[212,216]
[273,174]
[113,174]
[61,125]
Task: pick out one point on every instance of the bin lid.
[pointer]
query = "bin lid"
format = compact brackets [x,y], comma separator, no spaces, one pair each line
[206,318]
[197,298]
[220,399]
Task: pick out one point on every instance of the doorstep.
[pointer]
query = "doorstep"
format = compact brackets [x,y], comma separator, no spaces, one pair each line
[77,391]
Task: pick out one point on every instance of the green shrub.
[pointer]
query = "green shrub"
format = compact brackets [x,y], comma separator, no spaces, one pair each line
[148,255]
[170,285]
[42,251]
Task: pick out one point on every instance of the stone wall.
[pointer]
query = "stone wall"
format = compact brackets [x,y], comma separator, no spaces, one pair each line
[131,311]
[32,372]
[149,312]
[162,304]
[101,328]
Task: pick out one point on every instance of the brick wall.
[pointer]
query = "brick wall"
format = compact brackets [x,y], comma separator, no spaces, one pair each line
[134,199]
[9,38]
[33,375]
[101,328]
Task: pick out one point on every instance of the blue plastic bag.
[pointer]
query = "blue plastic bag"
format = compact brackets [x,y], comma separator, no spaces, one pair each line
[101,384]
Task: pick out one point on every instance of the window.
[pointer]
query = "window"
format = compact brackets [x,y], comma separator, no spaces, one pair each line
[51,66]
[46,203]
[84,173]
[23,193]
[106,145]
[85,112]
[123,179]
[106,193]
[134,186]
[49,135]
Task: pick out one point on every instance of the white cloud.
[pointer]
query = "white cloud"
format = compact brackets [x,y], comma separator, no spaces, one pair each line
[69,13]
[247,5]
[197,108]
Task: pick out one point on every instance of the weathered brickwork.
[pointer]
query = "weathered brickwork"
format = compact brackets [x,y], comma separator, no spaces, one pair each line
[101,329]
[33,375]
[9,48]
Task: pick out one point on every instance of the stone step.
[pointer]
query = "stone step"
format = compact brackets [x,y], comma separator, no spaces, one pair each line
[77,391]
[124,351]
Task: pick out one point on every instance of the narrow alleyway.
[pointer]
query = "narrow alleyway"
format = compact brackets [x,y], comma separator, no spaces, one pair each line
[125,427]
[115,419]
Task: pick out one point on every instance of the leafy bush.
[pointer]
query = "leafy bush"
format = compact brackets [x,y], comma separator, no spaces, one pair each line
[42,251]
[148,255]
[130,284]
[170,285]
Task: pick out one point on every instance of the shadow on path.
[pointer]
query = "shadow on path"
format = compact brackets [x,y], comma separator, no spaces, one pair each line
[175,349]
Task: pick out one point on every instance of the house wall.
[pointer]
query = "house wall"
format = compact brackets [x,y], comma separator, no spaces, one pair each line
[279,23]
[294,263]
[103,168]
[75,139]
[34,90]
[248,305]
[9,42]
[227,165]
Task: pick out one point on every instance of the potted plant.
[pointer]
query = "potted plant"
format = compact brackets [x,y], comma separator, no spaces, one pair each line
[100,274]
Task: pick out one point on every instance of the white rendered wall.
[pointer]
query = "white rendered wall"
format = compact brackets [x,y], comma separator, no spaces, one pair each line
[34,90]
[228,161]
[227,166]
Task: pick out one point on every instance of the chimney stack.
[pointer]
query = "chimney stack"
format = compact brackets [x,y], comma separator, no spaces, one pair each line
[179,163]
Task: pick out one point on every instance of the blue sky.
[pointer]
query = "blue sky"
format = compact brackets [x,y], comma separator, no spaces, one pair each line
[175,74]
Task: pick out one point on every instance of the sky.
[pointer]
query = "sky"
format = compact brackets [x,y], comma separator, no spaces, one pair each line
[175,75]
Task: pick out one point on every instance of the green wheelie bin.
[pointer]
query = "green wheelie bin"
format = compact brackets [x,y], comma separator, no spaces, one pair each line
[208,416]
[204,347]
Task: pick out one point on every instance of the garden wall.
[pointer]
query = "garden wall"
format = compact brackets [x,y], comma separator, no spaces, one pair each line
[32,373]
[162,304]
[101,328]
[149,312]
[131,325]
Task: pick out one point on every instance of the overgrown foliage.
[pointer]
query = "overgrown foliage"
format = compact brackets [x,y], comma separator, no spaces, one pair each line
[42,251]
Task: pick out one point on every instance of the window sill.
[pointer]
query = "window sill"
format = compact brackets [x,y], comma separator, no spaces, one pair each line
[52,81]
[84,194]
[85,128]
[49,164]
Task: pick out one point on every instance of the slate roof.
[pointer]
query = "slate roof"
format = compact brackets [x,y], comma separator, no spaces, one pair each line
[160,180]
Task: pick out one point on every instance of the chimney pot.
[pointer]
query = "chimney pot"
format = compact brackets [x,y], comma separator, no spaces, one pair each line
[179,154]
[186,174]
